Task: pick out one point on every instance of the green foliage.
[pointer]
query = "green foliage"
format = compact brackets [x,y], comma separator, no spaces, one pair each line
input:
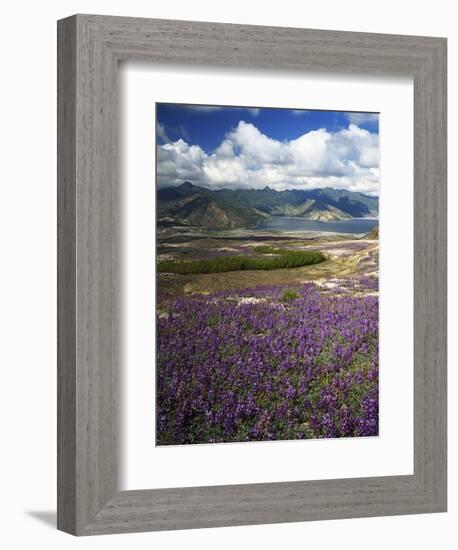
[289,294]
[222,264]
[265,249]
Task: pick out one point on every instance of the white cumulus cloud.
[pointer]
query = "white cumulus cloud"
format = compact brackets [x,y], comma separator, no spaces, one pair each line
[247,158]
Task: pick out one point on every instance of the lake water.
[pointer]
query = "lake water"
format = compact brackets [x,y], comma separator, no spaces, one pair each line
[354,225]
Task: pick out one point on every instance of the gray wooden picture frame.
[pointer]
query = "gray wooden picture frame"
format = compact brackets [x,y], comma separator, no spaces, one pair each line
[89,49]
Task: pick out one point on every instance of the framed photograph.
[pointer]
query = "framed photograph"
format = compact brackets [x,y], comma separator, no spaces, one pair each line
[267,295]
[251,275]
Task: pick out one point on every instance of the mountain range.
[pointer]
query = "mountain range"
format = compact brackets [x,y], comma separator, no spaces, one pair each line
[192,205]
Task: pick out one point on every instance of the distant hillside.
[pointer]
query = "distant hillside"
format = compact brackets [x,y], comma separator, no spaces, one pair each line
[373,235]
[192,205]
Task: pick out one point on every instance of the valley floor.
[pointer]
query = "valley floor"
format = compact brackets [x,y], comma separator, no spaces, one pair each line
[347,258]
[264,355]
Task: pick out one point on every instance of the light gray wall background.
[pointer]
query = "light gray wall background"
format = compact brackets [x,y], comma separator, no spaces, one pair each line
[28,281]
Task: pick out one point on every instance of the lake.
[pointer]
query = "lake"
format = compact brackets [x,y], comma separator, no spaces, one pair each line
[354,225]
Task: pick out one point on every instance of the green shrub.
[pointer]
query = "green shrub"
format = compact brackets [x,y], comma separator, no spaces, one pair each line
[289,294]
[222,264]
[265,249]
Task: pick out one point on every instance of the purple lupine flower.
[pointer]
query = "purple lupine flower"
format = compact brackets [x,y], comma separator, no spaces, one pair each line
[229,369]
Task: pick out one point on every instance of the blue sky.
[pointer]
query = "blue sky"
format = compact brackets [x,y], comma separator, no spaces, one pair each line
[252,147]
